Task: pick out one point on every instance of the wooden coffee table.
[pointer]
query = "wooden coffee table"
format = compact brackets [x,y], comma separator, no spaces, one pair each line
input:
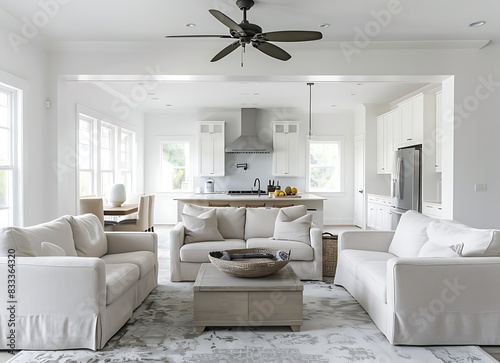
[224,300]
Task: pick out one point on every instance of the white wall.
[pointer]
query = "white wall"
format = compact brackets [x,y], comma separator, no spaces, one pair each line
[30,64]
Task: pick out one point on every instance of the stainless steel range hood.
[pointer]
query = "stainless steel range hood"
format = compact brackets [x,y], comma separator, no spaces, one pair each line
[248,142]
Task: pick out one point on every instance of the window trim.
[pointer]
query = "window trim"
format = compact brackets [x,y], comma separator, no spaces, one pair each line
[16,87]
[172,139]
[328,139]
[118,126]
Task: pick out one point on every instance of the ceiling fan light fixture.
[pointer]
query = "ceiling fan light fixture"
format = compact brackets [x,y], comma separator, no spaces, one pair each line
[477,24]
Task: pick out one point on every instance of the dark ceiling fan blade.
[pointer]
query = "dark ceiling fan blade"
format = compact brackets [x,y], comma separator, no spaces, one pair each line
[272,50]
[291,36]
[198,36]
[226,51]
[227,21]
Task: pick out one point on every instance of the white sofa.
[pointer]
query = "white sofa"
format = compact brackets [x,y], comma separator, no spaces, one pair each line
[431,282]
[206,229]
[75,285]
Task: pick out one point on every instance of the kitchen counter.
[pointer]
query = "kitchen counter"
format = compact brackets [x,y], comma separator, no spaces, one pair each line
[314,203]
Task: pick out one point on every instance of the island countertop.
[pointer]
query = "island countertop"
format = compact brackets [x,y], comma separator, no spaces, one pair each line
[251,198]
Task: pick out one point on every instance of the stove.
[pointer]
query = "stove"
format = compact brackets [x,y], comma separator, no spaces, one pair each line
[246,192]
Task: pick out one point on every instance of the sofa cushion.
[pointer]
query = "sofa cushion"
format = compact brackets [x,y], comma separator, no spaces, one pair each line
[446,237]
[201,228]
[230,220]
[373,276]
[120,277]
[299,251]
[410,235]
[293,226]
[198,252]
[27,241]
[145,260]
[351,259]
[260,222]
[50,249]
[88,233]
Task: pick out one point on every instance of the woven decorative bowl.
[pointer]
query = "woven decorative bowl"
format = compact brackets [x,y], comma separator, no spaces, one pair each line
[248,267]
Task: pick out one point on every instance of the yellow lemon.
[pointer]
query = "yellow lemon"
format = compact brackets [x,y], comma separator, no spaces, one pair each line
[294,190]
[277,193]
[282,193]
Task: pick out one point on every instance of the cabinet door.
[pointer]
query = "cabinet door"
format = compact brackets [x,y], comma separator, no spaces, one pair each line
[385,142]
[371,217]
[406,123]
[417,116]
[439,120]
[211,148]
[286,152]
[380,145]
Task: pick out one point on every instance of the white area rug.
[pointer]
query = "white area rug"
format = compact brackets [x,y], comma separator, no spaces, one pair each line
[336,329]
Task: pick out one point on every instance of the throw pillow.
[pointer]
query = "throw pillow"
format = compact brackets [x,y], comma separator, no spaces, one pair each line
[50,249]
[292,228]
[230,220]
[259,222]
[410,235]
[444,235]
[201,228]
[88,233]
[27,241]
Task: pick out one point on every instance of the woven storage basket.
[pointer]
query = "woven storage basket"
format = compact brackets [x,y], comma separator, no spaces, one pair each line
[250,267]
[329,255]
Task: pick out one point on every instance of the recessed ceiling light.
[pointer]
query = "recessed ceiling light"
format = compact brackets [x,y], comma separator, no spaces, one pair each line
[155,98]
[324,25]
[191,25]
[477,24]
[168,105]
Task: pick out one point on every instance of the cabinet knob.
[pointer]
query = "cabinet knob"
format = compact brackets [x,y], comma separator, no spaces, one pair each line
[409,139]
[360,191]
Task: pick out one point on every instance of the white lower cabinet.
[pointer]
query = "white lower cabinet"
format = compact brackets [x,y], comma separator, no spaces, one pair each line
[379,212]
[434,210]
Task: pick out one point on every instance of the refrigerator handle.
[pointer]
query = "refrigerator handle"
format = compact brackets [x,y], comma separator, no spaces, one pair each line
[399,186]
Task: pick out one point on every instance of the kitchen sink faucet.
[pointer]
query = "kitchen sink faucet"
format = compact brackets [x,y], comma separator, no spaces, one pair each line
[257,181]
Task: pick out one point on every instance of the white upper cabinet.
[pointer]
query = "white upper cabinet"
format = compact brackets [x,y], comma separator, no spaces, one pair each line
[439,120]
[410,124]
[211,153]
[385,141]
[286,148]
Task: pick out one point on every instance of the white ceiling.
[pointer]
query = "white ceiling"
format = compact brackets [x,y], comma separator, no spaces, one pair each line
[398,22]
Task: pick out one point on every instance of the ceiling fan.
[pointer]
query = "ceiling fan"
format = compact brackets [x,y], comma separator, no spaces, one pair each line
[248,33]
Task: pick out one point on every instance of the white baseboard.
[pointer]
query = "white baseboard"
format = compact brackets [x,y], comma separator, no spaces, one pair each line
[338,221]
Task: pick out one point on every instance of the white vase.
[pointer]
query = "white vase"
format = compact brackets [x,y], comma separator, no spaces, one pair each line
[117,195]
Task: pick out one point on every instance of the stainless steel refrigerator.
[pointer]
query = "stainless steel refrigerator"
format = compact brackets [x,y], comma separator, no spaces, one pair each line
[406,183]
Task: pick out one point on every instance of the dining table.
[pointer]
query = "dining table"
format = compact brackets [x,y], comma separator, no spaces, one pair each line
[122,210]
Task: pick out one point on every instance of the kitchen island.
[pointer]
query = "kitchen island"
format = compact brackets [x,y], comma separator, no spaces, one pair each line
[312,202]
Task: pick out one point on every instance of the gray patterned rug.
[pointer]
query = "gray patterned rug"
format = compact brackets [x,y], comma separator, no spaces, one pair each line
[335,329]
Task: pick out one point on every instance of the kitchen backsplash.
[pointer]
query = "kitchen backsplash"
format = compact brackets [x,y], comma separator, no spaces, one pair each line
[259,166]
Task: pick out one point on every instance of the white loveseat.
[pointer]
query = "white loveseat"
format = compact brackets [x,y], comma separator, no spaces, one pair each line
[206,229]
[431,282]
[75,285]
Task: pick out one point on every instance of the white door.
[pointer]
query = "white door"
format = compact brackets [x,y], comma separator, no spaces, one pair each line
[359,181]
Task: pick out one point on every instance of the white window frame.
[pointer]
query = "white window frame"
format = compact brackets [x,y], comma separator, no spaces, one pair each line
[118,127]
[15,88]
[189,163]
[340,140]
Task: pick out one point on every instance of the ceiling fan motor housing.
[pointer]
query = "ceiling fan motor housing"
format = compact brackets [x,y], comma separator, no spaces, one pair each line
[244,4]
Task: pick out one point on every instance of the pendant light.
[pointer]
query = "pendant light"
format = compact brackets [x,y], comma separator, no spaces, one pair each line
[310,110]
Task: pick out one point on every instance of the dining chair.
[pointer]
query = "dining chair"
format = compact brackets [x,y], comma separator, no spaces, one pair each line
[151,213]
[139,224]
[95,206]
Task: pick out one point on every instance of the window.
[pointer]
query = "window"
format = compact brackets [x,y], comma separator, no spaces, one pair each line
[325,165]
[106,156]
[9,99]
[175,166]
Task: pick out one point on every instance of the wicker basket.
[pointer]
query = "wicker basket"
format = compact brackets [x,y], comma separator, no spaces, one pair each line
[251,267]
[330,255]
